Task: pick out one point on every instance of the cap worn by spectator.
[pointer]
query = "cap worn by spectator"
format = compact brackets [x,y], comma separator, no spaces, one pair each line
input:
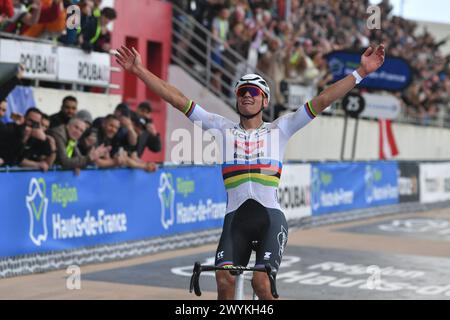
[85,116]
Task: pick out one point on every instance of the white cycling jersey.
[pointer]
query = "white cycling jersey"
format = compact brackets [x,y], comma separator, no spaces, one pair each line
[252,159]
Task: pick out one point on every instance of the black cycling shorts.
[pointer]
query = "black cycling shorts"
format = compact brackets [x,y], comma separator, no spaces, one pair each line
[252,222]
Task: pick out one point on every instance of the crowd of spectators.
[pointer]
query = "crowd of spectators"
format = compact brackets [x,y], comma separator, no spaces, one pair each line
[71,139]
[48,19]
[293,49]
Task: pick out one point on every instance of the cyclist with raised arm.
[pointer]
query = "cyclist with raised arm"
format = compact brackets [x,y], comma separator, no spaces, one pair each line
[252,162]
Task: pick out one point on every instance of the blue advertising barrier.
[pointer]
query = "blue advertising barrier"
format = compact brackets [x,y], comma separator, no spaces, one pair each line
[55,211]
[394,75]
[348,186]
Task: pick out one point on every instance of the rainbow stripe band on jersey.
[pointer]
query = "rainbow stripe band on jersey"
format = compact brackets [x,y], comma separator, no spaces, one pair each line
[226,264]
[310,110]
[266,174]
[189,108]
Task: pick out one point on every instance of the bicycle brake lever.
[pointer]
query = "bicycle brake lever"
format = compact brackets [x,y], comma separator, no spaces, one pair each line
[271,273]
[195,279]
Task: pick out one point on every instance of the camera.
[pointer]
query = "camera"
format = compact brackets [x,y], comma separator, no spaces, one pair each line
[33,124]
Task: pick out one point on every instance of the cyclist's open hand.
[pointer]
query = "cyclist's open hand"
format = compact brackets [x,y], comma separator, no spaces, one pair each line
[128,59]
[372,59]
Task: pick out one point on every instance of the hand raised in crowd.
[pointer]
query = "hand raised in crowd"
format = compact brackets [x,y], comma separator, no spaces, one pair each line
[36,4]
[52,142]
[151,167]
[20,71]
[43,166]
[120,160]
[126,122]
[103,150]
[151,128]
[38,133]
[99,152]
[18,118]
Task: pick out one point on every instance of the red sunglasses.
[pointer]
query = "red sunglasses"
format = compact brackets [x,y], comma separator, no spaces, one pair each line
[254,91]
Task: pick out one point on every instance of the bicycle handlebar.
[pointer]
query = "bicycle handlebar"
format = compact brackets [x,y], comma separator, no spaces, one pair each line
[198,269]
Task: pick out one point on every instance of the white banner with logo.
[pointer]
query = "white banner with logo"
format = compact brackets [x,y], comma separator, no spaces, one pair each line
[381,106]
[44,61]
[299,95]
[434,182]
[85,68]
[294,191]
[40,59]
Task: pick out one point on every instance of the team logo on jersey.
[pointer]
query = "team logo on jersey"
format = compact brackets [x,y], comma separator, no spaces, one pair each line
[282,240]
[267,255]
[220,255]
[249,147]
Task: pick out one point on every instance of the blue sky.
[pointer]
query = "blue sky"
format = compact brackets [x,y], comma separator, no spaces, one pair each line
[426,10]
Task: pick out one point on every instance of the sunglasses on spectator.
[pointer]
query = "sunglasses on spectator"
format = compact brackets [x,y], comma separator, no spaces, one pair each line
[252,90]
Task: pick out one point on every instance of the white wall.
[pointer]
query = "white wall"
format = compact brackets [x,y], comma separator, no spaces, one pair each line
[99,105]
[322,138]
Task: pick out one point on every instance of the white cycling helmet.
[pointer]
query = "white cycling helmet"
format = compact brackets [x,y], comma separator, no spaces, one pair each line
[256,80]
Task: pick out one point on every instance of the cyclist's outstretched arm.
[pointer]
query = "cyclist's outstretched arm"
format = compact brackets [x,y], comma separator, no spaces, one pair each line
[371,60]
[131,61]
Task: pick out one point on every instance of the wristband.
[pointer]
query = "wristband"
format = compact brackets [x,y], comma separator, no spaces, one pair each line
[357,77]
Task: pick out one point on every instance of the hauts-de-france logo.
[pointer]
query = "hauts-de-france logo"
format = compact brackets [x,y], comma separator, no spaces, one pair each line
[371,177]
[37,204]
[166,195]
[336,67]
[319,179]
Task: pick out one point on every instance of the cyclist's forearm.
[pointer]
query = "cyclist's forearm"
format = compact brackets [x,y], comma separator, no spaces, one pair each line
[163,89]
[334,92]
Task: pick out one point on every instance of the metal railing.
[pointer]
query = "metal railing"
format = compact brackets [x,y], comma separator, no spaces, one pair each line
[441,119]
[197,51]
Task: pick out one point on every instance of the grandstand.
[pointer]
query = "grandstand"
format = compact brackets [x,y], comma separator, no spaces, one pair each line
[150,184]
